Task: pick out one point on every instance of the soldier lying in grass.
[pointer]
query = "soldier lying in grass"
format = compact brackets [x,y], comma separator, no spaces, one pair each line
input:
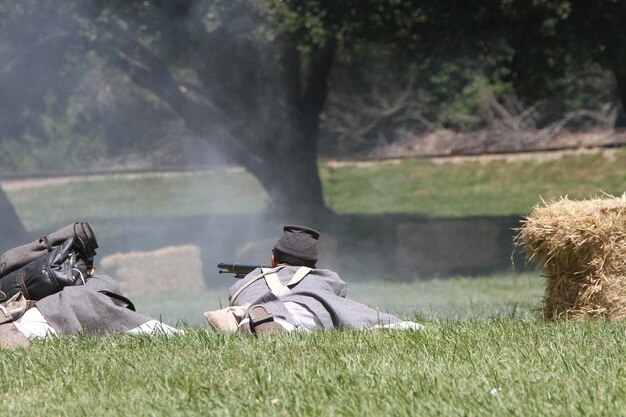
[49,288]
[295,295]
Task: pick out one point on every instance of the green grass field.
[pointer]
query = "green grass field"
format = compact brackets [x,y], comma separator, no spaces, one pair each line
[495,367]
[485,349]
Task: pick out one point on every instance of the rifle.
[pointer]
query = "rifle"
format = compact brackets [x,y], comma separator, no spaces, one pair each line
[240,270]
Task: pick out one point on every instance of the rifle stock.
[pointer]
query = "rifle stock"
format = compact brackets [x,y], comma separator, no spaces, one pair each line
[240,270]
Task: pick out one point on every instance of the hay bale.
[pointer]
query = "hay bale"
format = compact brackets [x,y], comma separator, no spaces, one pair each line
[160,271]
[582,246]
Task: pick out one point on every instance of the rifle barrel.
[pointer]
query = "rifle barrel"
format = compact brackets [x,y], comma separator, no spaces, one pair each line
[240,270]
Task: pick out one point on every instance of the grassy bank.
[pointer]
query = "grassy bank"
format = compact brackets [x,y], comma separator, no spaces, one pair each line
[487,186]
[442,187]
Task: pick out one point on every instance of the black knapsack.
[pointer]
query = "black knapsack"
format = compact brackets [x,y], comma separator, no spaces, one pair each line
[62,262]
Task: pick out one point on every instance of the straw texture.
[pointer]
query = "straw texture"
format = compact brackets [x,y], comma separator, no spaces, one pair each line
[582,247]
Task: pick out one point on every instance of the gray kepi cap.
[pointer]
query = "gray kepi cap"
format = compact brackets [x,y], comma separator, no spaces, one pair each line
[299,243]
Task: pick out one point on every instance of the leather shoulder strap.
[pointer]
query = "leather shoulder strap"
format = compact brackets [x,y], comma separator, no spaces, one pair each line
[279,289]
[264,271]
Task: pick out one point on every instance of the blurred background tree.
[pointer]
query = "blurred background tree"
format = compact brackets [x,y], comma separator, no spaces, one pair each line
[265,83]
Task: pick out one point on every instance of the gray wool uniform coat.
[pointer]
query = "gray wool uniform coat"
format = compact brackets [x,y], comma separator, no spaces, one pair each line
[322,291]
[93,308]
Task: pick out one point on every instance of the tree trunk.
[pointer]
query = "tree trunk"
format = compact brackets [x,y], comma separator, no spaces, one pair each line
[289,170]
[12,231]
[277,145]
[290,176]
[620,78]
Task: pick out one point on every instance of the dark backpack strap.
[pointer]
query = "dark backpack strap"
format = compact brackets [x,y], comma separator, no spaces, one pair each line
[46,242]
[123,300]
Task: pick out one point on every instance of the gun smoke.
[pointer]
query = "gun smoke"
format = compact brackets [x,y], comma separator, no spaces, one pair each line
[359,247]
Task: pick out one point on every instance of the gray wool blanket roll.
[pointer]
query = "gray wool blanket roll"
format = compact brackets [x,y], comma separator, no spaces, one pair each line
[15,258]
[90,309]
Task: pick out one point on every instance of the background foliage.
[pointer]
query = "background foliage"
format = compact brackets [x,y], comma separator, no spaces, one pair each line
[71,99]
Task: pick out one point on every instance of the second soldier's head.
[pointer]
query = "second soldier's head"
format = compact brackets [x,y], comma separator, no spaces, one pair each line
[297,246]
